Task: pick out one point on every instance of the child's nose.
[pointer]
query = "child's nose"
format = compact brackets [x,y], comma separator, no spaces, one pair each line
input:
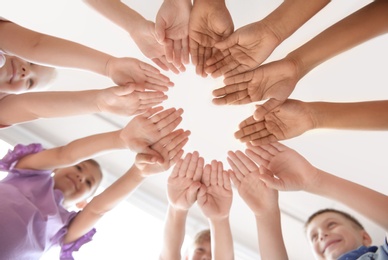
[25,71]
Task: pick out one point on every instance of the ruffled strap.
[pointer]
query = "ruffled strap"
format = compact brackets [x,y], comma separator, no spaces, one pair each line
[18,152]
[68,249]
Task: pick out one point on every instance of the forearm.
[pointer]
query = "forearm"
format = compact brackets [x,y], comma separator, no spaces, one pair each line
[365,24]
[43,49]
[367,202]
[118,13]
[30,106]
[174,233]
[269,232]
[74,152]
[370,115]
[103,203]
[291,15]
[222,240]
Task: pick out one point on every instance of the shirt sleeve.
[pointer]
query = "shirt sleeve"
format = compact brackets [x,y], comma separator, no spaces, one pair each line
[68,249]
[19,151]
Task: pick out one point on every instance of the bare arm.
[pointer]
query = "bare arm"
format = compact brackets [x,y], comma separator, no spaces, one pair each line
[43,49]
[182,188]
[171,149]
[119,100]
[367,23]
[294,172]
[174,233]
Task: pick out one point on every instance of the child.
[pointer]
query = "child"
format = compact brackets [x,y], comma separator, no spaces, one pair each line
[43,49]
[142,31]
[284,169]
[33,205]
[210,186]
[276,80]
[294,117]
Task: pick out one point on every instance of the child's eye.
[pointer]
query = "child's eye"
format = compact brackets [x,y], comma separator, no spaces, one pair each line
[331,224]
[89,183]
[78,167]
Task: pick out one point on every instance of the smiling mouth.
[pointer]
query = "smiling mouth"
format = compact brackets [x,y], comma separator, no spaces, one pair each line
[74,183]
[329,245]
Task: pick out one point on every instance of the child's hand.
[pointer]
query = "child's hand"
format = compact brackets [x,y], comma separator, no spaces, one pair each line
[282,168]
[274,81]
[122,100]
[185,181]
[148,128]
[145,39]
[170,147]
[172,30]
[209,23]
[215,196]
[124,71]
[243,50]
[290,119]
[246,178]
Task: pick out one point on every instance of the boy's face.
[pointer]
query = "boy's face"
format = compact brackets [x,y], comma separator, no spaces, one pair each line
[18,76]
[332,235]
[201,251]
[77,182]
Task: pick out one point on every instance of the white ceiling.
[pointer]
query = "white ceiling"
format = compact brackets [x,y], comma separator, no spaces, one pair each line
[357,75]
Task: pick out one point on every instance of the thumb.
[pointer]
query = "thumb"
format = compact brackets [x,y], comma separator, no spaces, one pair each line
[124,90]
[160,26]
[268,106]
[143,158]
[193,190]
[154,155]
[226,43]
[201,198]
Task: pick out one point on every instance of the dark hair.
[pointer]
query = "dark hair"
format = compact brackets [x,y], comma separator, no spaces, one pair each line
[344,214]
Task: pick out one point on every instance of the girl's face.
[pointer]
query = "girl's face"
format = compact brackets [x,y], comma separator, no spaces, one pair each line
[332,235]
[77,182]
[18,76]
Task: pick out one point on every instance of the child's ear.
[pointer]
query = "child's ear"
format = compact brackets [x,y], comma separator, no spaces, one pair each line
[367,240]
[81,204]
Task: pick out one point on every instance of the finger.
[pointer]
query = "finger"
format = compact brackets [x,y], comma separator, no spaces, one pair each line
[198,171]
[169,65]
[213,174]
[177,49]
[264,140]
[158,62]
[159,145]
[237,158]
[216,58]
[249,129]
[249,165]
[249,121]
[201,196]
[169,50]
[234,179]
[267,107]
[200,61]
[176,170]
[185,50]
[152,111]
[124,90]
[226,180]
[177,144]
[270,181]
[160,27]
[220,170]
[185,165]
[156,87]
[239,78]
[155,154]
[230,89]
[193,45]
[192,165]
[237,98]
[146,95]
[259,155]
[280,147]
[169,123]
[206,175]
[259,135]
[145,158]
[234,163]
[192,191]
[156,118]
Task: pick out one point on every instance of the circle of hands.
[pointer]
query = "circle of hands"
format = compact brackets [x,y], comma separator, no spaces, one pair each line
[205,32]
